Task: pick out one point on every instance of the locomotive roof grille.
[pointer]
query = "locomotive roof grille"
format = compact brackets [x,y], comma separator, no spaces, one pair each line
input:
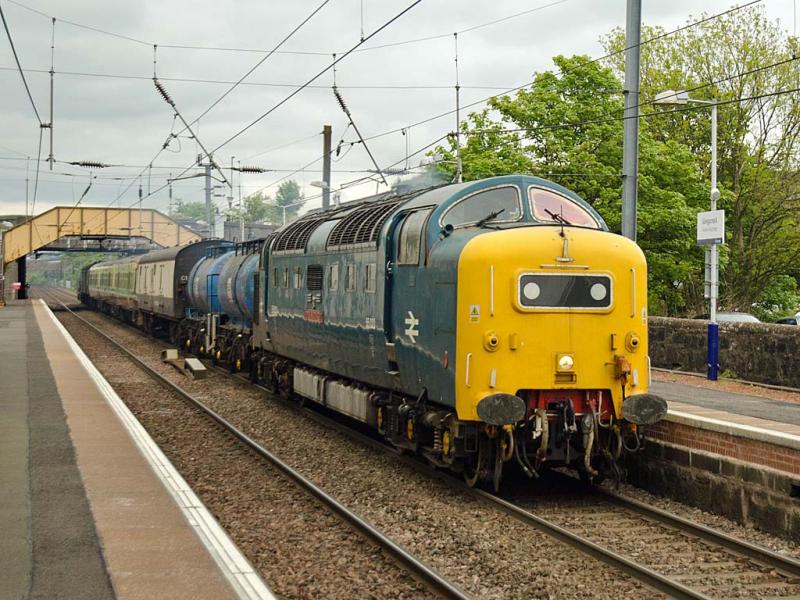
[295,237]
[362,226]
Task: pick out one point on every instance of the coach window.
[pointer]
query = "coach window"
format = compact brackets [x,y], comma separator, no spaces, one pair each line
[285,282]
[502,201]
[549,207]
[369,285]
[410,237]
[350,278]
[333,277]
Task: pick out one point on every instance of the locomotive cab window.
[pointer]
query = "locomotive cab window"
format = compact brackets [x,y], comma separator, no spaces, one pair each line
[548,206]
[274,276]
[298,278]
[501,201]
[285,281]
[411,236]
[350,278]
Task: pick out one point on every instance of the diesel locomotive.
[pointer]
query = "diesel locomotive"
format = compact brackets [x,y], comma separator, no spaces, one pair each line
[476,324]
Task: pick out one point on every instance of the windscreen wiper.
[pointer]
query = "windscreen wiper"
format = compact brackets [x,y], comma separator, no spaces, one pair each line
[557,218]
[489,217]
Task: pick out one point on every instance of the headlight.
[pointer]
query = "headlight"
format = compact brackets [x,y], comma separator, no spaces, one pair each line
[565,362]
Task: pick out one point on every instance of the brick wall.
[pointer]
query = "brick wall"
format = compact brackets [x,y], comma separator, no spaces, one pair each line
[757,484]
[753,351]
[749,451]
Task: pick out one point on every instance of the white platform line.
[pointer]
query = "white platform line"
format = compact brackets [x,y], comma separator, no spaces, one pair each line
[234,565]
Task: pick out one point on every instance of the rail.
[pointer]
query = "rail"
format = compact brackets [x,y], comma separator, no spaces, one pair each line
[417,568]
[784,565]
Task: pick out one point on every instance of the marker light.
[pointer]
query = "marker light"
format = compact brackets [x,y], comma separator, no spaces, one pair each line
[565,362]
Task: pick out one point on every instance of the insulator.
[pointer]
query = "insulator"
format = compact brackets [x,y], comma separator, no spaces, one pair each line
[340,100]
[91,164]
[397,171]
[250,169]
[163,92]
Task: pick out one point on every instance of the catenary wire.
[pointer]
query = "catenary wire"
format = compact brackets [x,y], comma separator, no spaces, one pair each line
[256,83]
[295,92]
[594,60]
[319,74]
[287,52]
[19,66]
[260,62]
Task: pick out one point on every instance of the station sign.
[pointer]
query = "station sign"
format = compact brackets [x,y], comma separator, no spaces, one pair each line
[711,227]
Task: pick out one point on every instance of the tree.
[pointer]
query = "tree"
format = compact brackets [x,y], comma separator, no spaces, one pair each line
[567,128]
[195,211]
[288,194]
[256,208]
[260,208]
[740,59]
[780,297]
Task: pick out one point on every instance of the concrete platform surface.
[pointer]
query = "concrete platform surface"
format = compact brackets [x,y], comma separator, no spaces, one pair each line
[85,509]
[745,405]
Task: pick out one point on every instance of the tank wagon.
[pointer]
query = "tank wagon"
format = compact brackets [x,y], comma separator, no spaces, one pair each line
[221,309]
[477,324]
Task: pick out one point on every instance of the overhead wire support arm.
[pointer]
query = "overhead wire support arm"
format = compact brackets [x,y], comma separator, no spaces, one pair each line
[358,133]
[168,99]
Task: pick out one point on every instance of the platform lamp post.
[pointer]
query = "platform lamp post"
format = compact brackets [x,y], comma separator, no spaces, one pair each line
[712,356]
[285,206]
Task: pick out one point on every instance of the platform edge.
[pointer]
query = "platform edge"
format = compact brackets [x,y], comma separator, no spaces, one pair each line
[238,571]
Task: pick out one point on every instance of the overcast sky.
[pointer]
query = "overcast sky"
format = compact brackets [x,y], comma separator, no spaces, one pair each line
[123,121]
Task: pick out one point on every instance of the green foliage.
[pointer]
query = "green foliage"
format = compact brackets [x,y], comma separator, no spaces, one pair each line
[759,154]
[780,297]
[260,208]
[567,127]
[256,208]
[564,133]
[195,211]
[288,194]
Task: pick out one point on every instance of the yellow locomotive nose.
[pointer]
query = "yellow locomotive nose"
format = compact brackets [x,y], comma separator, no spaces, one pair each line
[539,315]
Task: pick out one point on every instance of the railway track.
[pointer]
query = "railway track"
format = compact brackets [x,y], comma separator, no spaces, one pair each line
[418,569]
[705,563]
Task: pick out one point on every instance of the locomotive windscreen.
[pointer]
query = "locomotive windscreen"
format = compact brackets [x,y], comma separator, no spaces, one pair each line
[544,290]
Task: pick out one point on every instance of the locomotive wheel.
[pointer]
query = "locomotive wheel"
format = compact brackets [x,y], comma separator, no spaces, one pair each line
[379,418]
[497,475]
[474,465]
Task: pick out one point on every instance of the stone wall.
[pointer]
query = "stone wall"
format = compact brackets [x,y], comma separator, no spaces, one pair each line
[753,351]
[750,494]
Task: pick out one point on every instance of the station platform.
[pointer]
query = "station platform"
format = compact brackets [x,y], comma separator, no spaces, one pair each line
[757,427]
[89,506]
